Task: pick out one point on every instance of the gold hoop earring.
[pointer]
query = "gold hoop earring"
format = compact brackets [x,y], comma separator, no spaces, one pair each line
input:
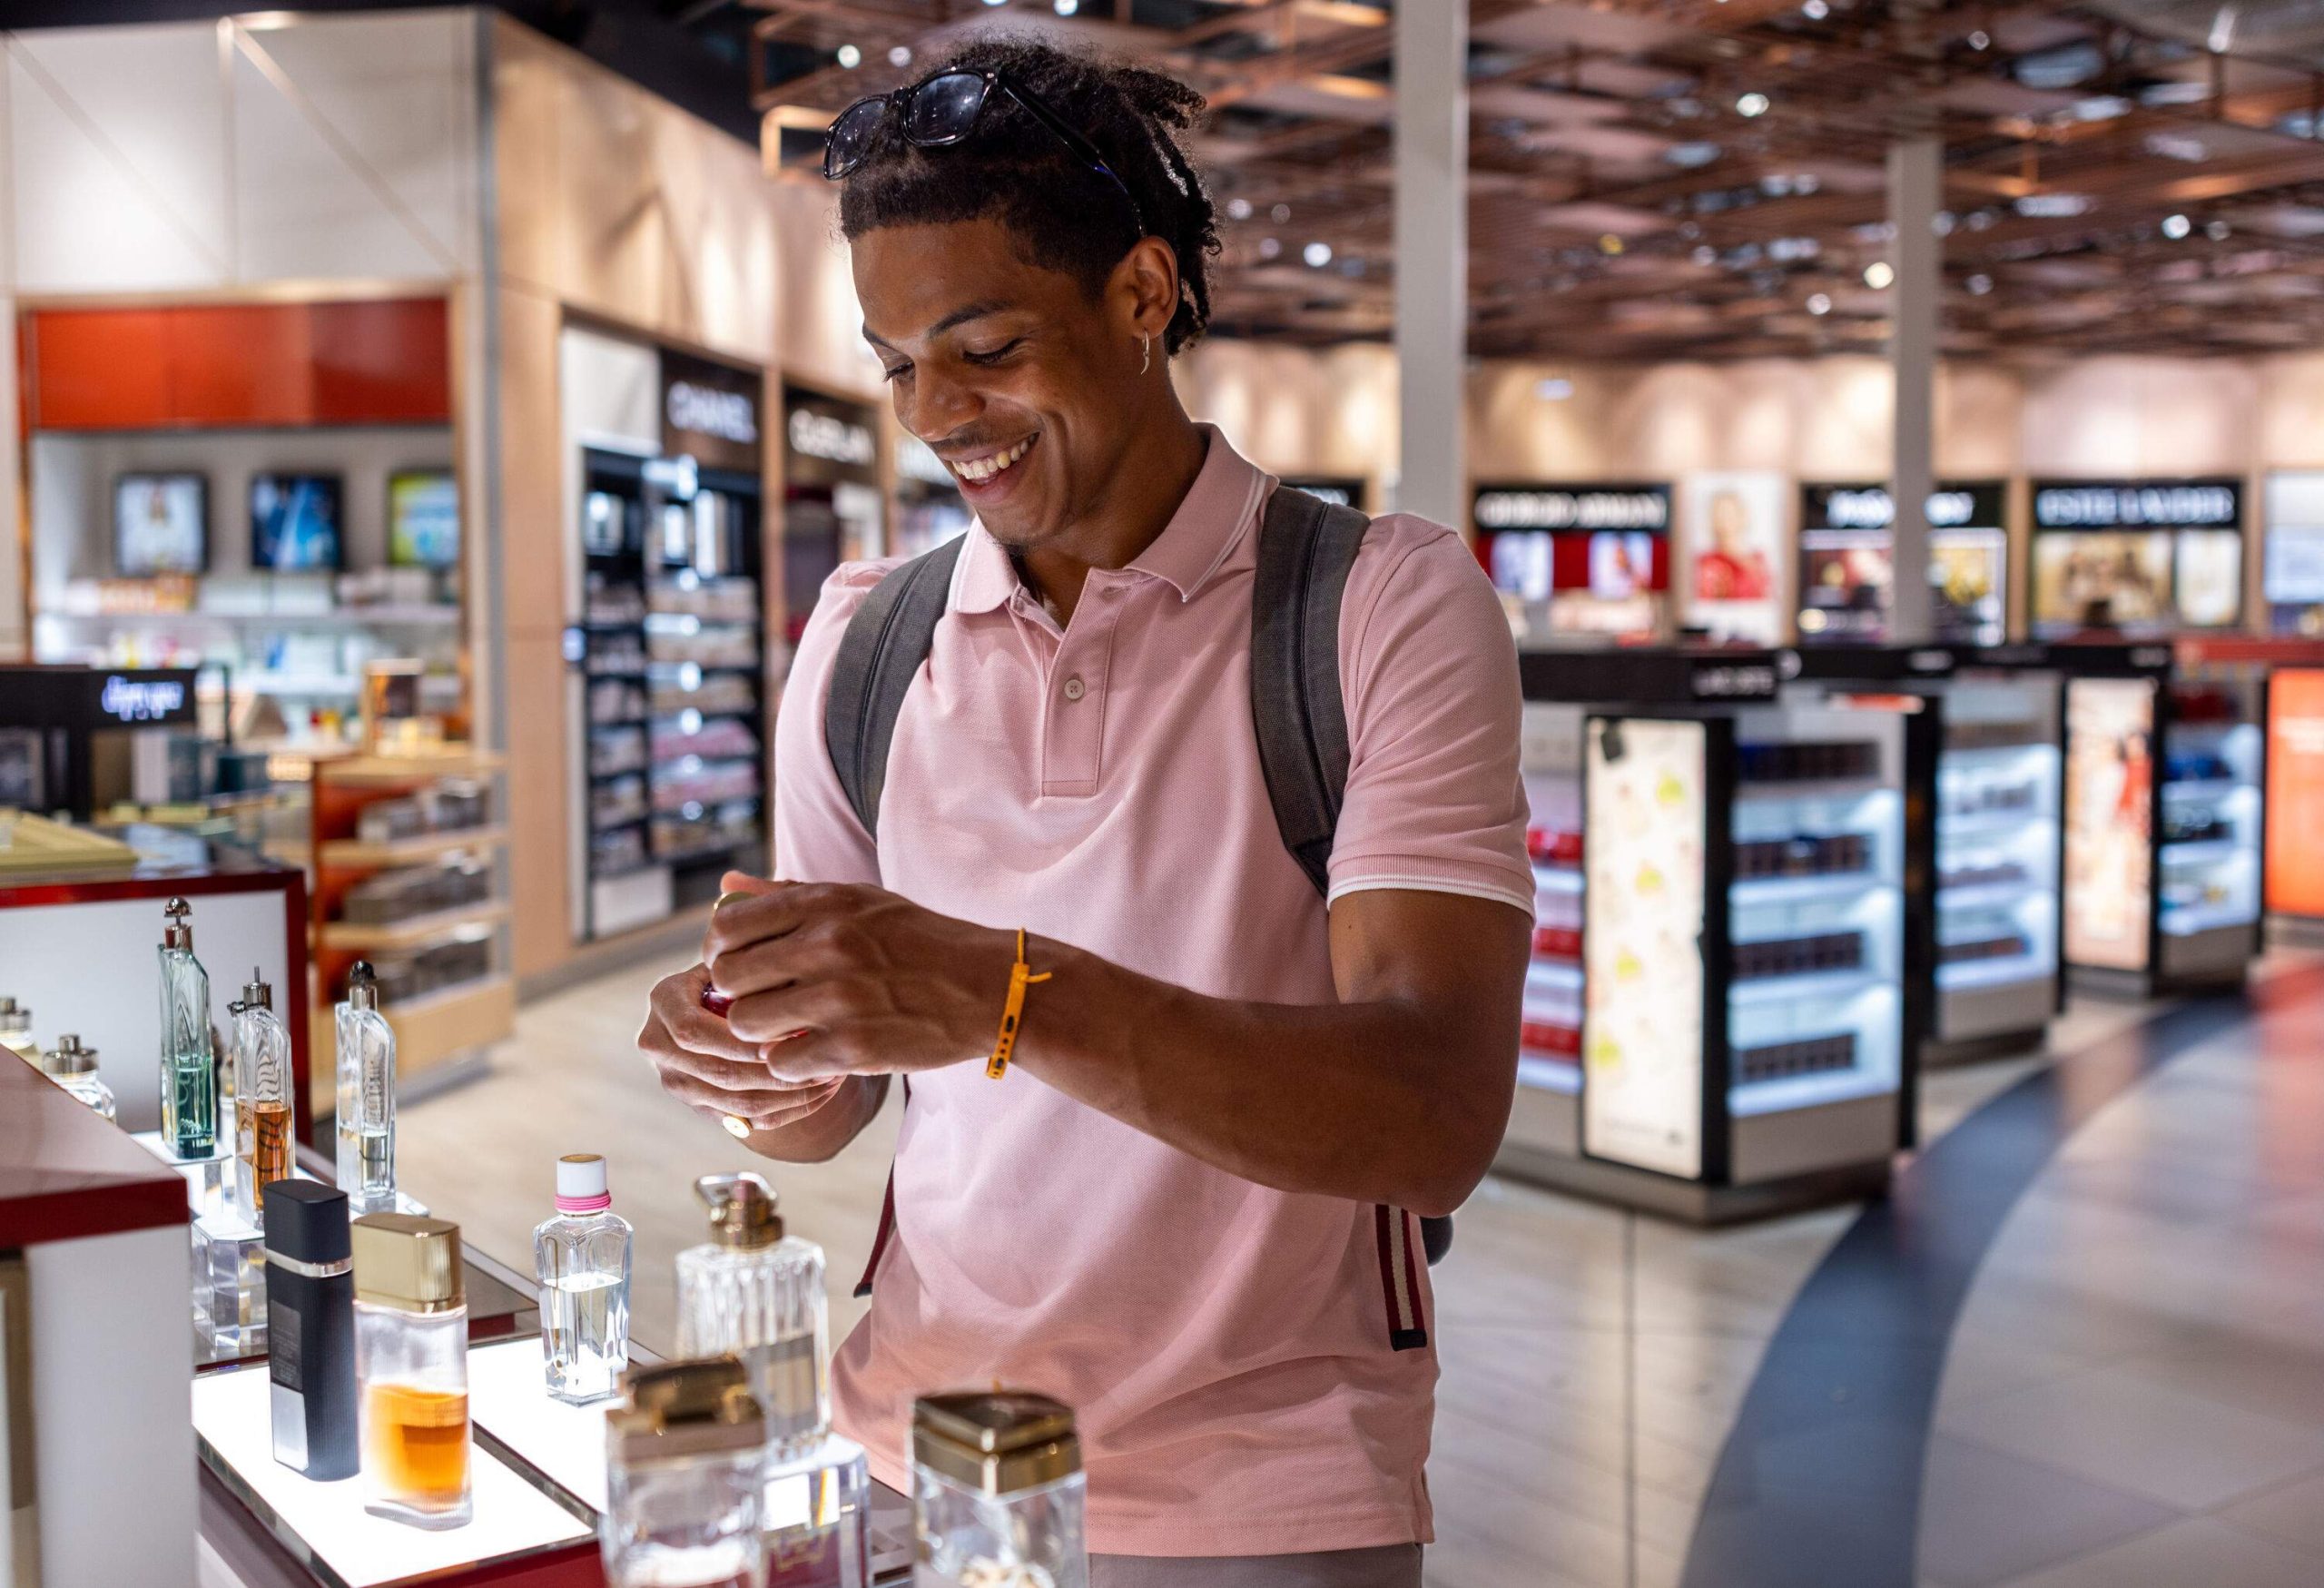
[1145,354]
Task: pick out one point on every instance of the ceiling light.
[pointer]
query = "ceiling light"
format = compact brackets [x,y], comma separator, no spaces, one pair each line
[1754,104]
[849,56]
[1981,40]
[1065,7]
[2176,227]
[1879,274]
[1815,10]
[1269,248]
[1942,222]
[1553,389]
[1819,303]
[1980,284]
[1610,243]
[901,55]
[1238,209]
[2054,206]
[1706,255]
[996,1]
[1687,156]
[1317,254]
[2216,230]
[1282,212]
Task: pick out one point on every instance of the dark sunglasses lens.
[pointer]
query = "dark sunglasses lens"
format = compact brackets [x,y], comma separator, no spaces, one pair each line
[943,109]
[851,136]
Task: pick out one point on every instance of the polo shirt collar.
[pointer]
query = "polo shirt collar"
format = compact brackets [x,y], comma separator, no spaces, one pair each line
[1215,517]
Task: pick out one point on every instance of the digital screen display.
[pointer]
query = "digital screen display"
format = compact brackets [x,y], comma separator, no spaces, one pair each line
[423,519]
[295,523]
[2103,580]
[1847,562]
[1644,891]
[2207,568]
[161,525]
[2295,862]
[2110,820]
[1533,565]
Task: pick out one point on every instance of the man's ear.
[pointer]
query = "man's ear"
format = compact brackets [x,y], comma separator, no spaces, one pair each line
[1146,284]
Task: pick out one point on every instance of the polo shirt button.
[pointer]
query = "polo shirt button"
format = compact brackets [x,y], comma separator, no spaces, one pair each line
[1073,687]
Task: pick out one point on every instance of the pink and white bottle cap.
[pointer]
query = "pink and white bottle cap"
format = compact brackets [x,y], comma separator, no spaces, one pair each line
[581,1184]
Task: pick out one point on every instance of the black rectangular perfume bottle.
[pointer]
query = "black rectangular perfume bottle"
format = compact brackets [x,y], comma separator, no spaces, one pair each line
[310,1329]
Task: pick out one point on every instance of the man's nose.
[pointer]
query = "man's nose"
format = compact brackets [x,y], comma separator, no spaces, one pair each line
[940,404]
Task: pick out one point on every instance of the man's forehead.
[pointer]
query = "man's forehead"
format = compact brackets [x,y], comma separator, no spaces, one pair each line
[916,281]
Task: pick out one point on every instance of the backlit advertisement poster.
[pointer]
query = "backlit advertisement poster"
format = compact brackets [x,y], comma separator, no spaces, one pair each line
[2295,864]
[1731,583]
[2109,580]
[2110,811]
[1575,559]
[2137,556]
[1642,1012]
[2291,573]
[1847,559]
[2208,566]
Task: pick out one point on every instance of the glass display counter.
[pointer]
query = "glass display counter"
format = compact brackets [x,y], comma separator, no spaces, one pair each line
[1717,1015]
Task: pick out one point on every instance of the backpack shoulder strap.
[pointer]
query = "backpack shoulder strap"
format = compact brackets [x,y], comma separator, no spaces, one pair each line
[879,656]
[1307,547]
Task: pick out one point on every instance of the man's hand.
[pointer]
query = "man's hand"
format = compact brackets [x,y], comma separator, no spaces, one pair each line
[704,1063]
[839,979]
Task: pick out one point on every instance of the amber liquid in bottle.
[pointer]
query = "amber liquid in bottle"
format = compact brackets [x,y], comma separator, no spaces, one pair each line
[418,1444]
[263,1130]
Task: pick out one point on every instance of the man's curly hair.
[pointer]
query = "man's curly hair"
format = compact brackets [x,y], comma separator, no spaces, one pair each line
[1064,216]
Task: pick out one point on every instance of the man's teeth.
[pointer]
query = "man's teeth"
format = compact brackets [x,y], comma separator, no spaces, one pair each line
[982,469]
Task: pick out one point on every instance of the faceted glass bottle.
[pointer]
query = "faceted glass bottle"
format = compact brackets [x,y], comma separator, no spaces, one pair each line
[581,1257]
[685,1468]
[261,1099]
[411,1369]
[189,1062]
[998,1493]
[74,1067]
[367,1097]
[758,1294]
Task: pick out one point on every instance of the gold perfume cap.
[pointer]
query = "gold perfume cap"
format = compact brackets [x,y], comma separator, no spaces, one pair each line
[407,1262]
[685,1408]
[997,1442]
[742,1213]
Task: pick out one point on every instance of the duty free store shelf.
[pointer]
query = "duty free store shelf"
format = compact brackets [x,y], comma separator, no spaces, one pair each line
[418,931]
[355,852]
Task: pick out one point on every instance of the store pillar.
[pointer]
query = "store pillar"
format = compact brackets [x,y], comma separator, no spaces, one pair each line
[1915,182]
[1431,256]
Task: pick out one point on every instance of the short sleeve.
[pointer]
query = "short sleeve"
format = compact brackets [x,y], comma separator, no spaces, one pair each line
[1435,800]
[817,837]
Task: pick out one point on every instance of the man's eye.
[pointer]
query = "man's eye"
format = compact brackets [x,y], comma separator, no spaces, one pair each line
[894,372]
[992,355]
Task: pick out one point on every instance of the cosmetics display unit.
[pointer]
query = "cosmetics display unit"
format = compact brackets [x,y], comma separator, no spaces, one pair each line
[832,501]
[1996,787]
[1847,554]
[930,508]
[2293,866]
[1577,560]
[674,680]
[1715,1019]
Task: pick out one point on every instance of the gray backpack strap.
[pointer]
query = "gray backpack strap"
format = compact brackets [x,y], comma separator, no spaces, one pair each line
[879,656]
[1307,547]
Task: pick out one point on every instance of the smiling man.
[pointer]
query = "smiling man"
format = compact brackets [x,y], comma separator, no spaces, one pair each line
[1175,1096]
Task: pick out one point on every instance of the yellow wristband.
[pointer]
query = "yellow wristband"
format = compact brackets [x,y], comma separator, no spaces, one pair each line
[1020,976]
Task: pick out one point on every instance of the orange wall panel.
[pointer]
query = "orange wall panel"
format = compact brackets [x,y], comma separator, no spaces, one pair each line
[384,362]
[241,364]
[99,370]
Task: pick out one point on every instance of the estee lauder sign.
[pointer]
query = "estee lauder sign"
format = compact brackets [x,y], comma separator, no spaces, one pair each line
[2137,504]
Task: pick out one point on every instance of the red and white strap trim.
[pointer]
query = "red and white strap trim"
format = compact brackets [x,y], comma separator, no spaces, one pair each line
[1400,1278]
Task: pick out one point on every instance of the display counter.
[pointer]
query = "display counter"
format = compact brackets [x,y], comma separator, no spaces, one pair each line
[1720,1013]
[1997,793]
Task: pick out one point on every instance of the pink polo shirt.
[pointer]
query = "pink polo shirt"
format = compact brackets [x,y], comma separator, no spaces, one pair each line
[1228,1347]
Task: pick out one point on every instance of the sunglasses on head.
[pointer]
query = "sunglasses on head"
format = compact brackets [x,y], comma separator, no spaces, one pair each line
[943,110]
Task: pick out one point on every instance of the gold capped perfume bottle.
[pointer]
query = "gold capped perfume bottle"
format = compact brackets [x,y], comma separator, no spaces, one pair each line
[261,1098]
[998,1493]
[367,1096]
[411,1369]
[759,1294]
[685,1455]
[189,1060]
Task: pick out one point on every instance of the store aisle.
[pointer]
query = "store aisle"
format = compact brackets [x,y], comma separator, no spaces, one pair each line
[2080,1423]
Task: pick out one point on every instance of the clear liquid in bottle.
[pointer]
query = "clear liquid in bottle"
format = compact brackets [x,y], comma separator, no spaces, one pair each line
[189,1061]
[366,1097]
[581,1259]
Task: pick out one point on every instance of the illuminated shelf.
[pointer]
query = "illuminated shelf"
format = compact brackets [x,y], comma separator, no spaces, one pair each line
[418,931]
[2200,849]
[1753,990]
[2032,966]
[1782,1094]
[1756,890]
[1972,823]
[2208,788]
[1826,788]
[1989,895]
[354,852]
[1546,1073]
[1557,879]
[2187,920]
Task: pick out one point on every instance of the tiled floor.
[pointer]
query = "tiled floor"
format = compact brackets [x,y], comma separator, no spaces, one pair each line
[2133,1395]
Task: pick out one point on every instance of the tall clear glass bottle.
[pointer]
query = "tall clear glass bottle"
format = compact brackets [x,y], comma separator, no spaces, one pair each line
[998,1493]
[189,1061]
[367,1096]
[684,1465]
[261,1098]
[755,1292]
[581,1257]
[411,1369]
[74,1067]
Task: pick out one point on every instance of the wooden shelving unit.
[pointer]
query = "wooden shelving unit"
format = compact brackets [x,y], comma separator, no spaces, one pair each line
[444,1023]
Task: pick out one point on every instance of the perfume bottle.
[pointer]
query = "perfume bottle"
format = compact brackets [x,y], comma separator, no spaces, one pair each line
[411,1369]
[189,1062]
[310,1328]
[261,1098]
[17,1032]
[74,1067]
[367,1096]
[685,1468]
[997,1492]
[582,1258]
[758,1294]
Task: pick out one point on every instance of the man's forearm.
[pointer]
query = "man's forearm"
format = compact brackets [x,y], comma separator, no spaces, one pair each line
[1386,1101]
